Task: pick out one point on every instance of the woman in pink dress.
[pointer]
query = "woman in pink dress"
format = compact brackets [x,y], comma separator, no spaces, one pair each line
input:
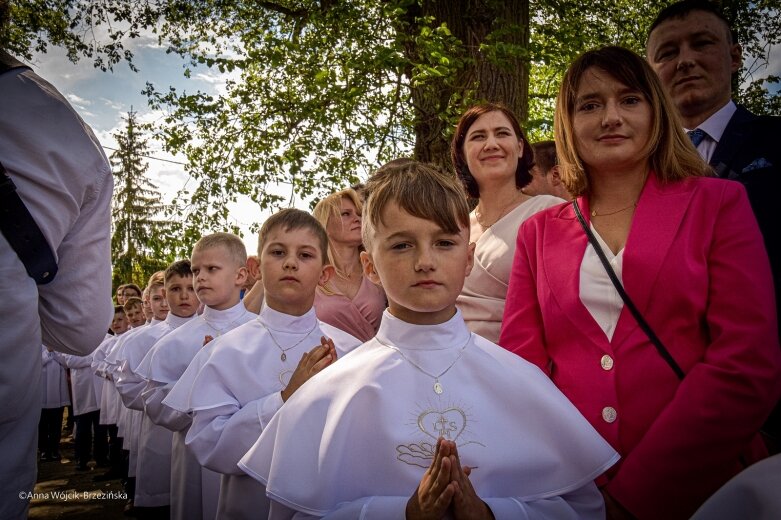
[348,301]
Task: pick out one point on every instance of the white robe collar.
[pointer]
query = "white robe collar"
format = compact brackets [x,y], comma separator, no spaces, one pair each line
[174,321]
[225,320]
[450,334]
[280,322]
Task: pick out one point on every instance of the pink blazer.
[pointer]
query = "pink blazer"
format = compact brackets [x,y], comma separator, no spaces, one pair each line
[696,267]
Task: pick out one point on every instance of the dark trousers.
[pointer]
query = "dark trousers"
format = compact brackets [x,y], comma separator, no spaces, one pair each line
[90,433]
[49,429]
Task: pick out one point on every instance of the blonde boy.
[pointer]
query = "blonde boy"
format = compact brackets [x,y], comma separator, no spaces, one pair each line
[255,368]
[219,268]
[399,427]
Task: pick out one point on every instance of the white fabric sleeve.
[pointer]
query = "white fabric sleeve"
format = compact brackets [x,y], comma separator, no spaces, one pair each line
[71,361]
[160,414]
[219,437]
[130,386]
[75,314]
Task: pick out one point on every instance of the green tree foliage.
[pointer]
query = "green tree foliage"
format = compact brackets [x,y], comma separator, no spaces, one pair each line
[142,242]
[322,92]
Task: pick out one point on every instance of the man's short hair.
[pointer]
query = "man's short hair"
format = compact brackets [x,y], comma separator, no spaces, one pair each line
[180,267]
[236,248]
[682,9]
[290,219]
[545,156]
[422,190]
[132,303]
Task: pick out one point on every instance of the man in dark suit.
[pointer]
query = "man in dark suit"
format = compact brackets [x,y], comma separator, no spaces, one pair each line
[693,50]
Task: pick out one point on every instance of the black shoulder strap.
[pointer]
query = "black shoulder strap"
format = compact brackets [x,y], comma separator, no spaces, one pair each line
[16,223]
[624,296]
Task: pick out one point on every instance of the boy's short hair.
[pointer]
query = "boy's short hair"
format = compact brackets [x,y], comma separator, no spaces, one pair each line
[133,286]
[422,190]
[157,279]
[233,244]
[290,219]
[118,309]
[132,303]
[180,267]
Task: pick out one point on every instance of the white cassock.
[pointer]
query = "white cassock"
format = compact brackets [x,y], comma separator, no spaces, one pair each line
[153,464]
[194,490]
[110,365]
[83,385]
[234,393]
[355,441]
[54,382]
[109,398]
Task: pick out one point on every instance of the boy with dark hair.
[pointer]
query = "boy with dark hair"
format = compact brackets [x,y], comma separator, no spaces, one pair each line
[242,378]
[219,268]
[415,410]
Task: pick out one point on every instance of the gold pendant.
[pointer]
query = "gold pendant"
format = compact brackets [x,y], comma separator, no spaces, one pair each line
[593,213]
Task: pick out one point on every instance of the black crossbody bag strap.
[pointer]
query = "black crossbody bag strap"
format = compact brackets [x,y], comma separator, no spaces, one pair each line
[624,296]
[16,223]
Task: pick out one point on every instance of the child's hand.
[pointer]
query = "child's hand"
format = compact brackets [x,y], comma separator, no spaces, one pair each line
[436,489]
[466,504]
[311,363]
[207,339]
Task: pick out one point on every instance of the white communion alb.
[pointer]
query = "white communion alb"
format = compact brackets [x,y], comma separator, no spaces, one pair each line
[357,438]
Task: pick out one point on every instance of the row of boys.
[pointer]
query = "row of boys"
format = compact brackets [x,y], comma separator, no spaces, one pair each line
[226,427]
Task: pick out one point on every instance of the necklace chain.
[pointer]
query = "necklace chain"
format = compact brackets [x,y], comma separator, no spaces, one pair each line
[505,210]
[283,356]
[228,327]
[595,214]
[437,385]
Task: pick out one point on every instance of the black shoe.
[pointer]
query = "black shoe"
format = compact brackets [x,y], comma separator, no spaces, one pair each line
[82,467]
[45,457]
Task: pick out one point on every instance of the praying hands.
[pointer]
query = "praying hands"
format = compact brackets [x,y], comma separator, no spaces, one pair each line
[310,364]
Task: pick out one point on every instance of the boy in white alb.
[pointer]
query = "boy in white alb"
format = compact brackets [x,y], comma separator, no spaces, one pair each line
[427,420]
[219,273]
[153,463]
[252,370]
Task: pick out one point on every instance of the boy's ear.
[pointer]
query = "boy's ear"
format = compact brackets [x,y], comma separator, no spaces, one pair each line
[470,261]
[368,268]
[253,267]
[241,276]
[326,274]
[554,175]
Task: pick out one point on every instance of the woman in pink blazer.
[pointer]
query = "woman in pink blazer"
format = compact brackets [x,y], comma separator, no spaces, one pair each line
[689,254]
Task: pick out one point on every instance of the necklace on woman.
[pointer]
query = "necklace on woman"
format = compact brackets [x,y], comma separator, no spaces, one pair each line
[283,351]
[595,214]
[505,210]
[438,388]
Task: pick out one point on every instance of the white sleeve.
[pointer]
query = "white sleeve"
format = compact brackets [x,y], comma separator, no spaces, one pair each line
[129,386]
[219,437]
[584,503]
[160,414]
[76,308]
[71,361]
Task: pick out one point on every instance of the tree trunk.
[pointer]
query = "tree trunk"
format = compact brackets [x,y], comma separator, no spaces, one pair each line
[501,25]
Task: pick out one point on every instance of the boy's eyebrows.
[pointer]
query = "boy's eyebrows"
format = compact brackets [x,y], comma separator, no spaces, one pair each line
[292,246]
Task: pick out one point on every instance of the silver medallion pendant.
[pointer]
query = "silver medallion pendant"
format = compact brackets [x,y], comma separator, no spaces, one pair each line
[438,387]
[283,357]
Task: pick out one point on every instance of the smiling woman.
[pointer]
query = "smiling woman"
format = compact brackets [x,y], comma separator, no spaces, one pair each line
[493,161]
[687,250]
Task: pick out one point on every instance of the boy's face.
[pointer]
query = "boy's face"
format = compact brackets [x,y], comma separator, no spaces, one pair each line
[119,324]
[135,315]
[291,266]
[180,295]
[217,277]
[420,266]
[158,303]
[146,310]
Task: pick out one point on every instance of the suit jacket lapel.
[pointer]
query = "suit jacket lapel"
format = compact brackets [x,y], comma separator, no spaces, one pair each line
[658,216]
[563,249]
[731,140]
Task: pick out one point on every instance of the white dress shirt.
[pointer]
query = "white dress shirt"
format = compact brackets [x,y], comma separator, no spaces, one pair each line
[714,128]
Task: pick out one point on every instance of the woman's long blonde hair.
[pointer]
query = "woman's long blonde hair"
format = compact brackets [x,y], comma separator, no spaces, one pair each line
[331,207]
